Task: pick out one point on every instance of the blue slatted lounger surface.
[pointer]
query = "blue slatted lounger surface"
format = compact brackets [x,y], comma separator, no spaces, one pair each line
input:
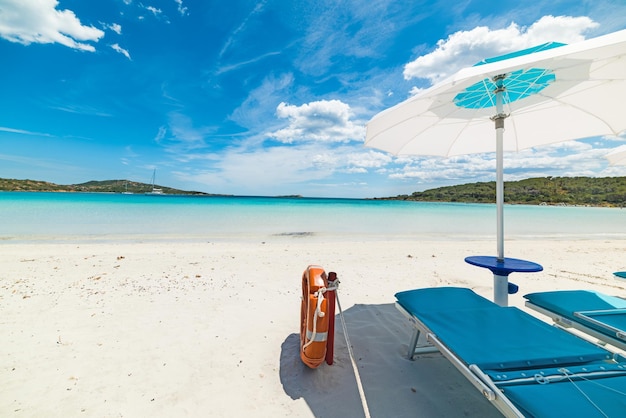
[599,315]
[534,369]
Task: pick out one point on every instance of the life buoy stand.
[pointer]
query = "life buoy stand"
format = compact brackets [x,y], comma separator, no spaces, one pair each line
[317,316]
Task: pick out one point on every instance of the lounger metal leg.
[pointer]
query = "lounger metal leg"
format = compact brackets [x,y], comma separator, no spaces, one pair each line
[413,343]
[419,344]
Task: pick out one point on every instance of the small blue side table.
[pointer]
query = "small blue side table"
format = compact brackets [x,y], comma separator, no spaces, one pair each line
[501,270]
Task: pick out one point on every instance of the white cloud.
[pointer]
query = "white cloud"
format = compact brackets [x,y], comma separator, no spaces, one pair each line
[231,67]
[571,158]
[183,130]
[281,169]
[181,135]
[121,50]
[160,134]
[346,159]
[367,159]
[38,21]
[117,28]
[415,90]
[21,131]
[324,120]
[619,138]
[466,48]
[257,107]
[181,9]
[334,30]
[261,170]
[258,8]
[154,10]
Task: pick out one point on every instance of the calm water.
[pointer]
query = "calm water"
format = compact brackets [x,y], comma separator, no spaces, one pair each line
[63,216]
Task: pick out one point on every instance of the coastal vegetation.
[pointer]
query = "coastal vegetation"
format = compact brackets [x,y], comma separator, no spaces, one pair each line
[108,186]
[574,191]
[570,191]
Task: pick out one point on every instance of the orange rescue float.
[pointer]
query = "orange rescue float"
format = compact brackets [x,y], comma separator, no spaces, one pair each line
[316,317]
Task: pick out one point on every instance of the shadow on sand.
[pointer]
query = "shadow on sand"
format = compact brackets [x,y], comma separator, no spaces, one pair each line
[394,386]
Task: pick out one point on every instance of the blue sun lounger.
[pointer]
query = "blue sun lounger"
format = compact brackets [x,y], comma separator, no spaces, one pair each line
[524,366]
[598,315]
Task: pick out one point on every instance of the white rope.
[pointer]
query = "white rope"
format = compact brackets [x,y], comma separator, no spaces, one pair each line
[318,310]
[318,314]
[569,376]
[366,410]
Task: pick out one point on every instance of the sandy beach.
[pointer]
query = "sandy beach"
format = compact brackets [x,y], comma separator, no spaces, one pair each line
[163,329]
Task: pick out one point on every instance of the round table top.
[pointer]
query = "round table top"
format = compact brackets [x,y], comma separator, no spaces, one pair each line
[504,267]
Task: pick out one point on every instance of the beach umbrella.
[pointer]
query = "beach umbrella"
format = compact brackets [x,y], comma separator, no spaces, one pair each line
[546,94]
[617,156]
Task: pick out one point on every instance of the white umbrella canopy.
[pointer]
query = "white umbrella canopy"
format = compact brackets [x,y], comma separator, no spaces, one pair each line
[546,94]
[617,156]
[579,96]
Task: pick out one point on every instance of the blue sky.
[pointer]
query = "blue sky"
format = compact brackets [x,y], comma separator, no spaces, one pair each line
[261,97]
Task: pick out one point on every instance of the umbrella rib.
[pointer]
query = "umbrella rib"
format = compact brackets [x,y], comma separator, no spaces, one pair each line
[559,99]
[456,137]
[527,86]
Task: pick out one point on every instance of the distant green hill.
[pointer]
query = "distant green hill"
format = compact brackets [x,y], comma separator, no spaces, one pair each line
[575,191]
[580,191]
[108,186]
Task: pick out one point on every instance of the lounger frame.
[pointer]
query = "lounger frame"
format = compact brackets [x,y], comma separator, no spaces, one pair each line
[424,341]
[522,365]
[618,339]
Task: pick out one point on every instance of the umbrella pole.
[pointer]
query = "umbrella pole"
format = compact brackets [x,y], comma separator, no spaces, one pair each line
[500,190]
[500,283]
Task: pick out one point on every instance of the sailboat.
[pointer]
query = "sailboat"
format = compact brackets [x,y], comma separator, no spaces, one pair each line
[126,189]
[155,190]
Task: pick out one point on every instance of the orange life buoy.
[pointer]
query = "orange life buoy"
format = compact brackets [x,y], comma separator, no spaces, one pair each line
[314,317]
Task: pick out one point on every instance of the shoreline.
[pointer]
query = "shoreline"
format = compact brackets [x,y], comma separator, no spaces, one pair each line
[298,237]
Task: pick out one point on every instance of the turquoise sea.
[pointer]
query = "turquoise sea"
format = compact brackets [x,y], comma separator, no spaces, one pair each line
[33,216]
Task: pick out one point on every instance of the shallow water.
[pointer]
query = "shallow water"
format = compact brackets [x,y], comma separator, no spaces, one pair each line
[54,216]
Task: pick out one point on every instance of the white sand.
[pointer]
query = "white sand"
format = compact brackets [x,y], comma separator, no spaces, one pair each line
[211,329]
